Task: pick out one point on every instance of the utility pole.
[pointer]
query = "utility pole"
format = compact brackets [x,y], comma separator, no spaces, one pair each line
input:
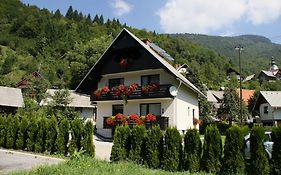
[239,49]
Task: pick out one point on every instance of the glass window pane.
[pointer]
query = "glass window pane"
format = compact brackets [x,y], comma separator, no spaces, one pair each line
[155,109]
[117,109]
[154,79]
[143,109]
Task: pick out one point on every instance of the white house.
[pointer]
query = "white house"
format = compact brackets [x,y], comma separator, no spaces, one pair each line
[269,106]
[130,60]
[10,99]
[80,102]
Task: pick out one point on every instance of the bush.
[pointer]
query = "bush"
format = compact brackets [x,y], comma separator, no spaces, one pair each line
[22,134]
[32,134]
[172,150]
[121,145]
[12,131]
[233,160]
[259,161]
[88,142]
[192,150]
[63,137]
[276,151]
[3,131]
[137,143]
[40,145]
[153,142]
[222,127]
[52,135]
[76,135]
[212,150]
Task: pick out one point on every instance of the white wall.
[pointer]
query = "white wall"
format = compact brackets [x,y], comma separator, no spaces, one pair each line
[87,113]
[277,114]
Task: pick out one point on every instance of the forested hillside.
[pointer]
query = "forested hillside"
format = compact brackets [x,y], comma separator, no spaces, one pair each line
[62,48]
[255,56]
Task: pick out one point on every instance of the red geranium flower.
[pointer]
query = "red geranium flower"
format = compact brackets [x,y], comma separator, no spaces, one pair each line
[119,117]
[150,117]
[134,117]
[110,121]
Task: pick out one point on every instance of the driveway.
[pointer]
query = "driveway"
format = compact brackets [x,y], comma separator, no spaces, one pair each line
[103,149]
[15,160]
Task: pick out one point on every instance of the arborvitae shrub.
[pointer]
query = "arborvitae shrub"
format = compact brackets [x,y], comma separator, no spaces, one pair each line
[3,131]
[212,150]
[22,134]
[121,145]
[233,160]
[259,161]
[172,150]
[52,134]
[137,142]
[88,142]
[32,133]
[12,131]
[192,150]
[153,142]
[276,151]
[76,135]
[40,145]
[63,137]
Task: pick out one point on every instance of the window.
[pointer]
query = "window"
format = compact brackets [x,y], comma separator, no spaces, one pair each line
[154,108]
[147,79]
[115,82]
[265,109]
[115,110]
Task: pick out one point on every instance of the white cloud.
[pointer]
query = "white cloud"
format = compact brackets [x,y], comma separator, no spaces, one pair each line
[121,7]
[204,16]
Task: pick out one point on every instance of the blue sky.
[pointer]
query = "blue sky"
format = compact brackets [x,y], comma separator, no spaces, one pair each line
[216,17]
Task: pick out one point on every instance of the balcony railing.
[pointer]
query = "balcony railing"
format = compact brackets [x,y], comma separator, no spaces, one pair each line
[161,92]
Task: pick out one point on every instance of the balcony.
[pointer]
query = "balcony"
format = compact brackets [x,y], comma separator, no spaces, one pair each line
[160,92]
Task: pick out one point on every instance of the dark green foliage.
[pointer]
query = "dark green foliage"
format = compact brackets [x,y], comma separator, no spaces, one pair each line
[32,133]
[120,146]
[63,137]
[12,131]
[153,142]
[259,161]
[276,151]
[212,150]
[88,142]
[233,160]
[172,150]
[40,145]
[76,135]
[3,131]
[192,150]
[22,134]
[52,135]
[137,143]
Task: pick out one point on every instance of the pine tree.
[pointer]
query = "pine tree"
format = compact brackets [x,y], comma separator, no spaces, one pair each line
[69,13]
[63,137]
[52,135]
[40,145]
[32,133]
[57,14]
[137,142]
[96,19]
[88,141]
[121,145]
[23,134]
[89,19]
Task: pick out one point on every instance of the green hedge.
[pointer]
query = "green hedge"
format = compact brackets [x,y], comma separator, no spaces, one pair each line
[136,144]
[23,134]
[40,145]
[63,137]
[276,151]
[51,140]
[76,135]
[121,146]
[87,142]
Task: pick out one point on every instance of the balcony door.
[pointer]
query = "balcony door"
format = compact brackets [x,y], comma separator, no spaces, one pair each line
[115,82]
[147,79]
[154,108]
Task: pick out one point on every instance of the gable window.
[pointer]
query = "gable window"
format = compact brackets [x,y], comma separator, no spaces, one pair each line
[115,82]
[265,109]
[154,108]
[147,79]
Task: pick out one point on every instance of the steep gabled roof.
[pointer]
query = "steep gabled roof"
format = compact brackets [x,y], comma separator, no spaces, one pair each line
[11,97]
[163,62]
[272,97]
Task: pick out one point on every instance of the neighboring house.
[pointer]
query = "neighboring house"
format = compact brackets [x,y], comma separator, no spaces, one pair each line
[274,73]
[246,94]
[269,106]
[129,60]
[80,102]
[11,99]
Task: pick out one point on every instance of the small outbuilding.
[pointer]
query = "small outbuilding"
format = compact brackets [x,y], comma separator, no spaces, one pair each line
[10,99]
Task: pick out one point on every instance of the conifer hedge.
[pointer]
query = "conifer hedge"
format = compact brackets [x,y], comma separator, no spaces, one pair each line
[233,160]
[76,135]
[192,150]
[22,134]
[12,131]
[52,134]
[172,150]
[63,137]
[88,143]
[276,151]
[153,145]
[212,150]
[40,145]
[32,134]
[259,161]
[137,144]
[3,131]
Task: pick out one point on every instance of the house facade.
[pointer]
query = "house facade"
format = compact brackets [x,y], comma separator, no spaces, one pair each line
[161,89]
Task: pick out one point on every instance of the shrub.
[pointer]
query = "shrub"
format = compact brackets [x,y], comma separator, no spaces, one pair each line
[192,150]
[212,150]
[76,135]
[276,151]
[153,141]
[63,137]
[172,150]
[120,146]
[259,162]
[22,134]
[40,145]
[88,142]
[233,160]
[12,131]
[52,135]
[32,134]
[137,143]
[3,131]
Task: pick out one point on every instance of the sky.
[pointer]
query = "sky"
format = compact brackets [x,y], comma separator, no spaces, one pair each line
[210,17]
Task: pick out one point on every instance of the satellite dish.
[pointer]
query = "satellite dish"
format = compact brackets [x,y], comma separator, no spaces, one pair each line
[173,91]
[182,70]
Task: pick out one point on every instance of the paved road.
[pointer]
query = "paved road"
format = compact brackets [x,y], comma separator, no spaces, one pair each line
[14,160]
[103,149]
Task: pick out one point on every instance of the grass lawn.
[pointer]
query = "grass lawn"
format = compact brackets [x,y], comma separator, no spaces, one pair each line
[89,166]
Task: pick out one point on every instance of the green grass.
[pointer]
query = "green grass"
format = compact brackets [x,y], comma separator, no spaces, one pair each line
[89,166]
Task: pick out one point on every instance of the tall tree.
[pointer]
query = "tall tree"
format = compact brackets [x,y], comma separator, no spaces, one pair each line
[69,13]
